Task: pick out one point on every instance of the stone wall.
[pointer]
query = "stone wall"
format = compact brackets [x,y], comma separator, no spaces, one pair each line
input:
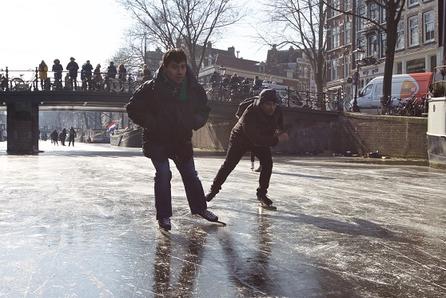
[313,132]
[391,135]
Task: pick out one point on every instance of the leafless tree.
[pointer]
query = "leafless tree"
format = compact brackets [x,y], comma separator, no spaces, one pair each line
[393,10]
[302,25]
[186,23]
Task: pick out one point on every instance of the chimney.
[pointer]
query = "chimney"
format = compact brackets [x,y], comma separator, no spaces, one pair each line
[231,51]
[209,45]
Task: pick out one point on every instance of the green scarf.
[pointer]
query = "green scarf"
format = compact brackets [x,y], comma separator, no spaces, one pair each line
[183,90]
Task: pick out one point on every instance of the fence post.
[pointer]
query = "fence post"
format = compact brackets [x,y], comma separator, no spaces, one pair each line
[36,80]
[7,78]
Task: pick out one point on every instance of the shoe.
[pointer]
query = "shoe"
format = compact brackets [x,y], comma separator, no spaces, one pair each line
[210,196]
[164,224]
[208,215]
[264,199]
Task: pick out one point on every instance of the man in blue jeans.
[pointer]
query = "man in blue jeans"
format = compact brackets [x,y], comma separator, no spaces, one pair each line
[168,107]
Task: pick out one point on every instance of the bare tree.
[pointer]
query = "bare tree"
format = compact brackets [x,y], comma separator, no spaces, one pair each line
[187,23]
[303,24]
[393,10]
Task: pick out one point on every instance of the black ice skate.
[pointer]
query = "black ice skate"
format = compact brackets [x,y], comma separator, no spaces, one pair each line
[265,202]
[210,216]
[165,224]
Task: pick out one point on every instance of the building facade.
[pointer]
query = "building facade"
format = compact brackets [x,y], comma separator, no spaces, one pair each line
[417,48]
[340,45]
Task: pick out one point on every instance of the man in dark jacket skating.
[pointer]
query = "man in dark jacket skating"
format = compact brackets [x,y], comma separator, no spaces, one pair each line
[258,128]
[168,107]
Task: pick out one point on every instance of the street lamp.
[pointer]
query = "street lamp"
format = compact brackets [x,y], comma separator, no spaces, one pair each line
[359,53]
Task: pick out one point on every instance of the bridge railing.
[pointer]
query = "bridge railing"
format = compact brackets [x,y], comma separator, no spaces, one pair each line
[327,101]
[31,80]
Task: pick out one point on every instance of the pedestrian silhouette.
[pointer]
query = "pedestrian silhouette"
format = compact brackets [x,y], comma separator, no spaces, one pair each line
[63,136]
[72,68]
[43,74]
[71,136]
[57,70]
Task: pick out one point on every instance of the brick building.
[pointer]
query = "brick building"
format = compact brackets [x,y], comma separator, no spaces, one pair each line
[417,48]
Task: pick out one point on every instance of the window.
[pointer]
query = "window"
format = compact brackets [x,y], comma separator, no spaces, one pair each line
[428,26]
[335,37]
[417,65]
[361,21]
[374,11]
[367,90]
[383,44]
[413,31]
[433,63]
[401,36]
[383,15]
[411,3]
[347,32]
[346,66]
[372,45]
[399,67]
[361,42]
[335,4]
[334,69]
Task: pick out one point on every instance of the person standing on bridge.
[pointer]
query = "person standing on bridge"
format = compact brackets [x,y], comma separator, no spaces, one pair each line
[43,74]
[122,76]
[57,70]
[72,68]
[260,126]
[169,107]
[86,74]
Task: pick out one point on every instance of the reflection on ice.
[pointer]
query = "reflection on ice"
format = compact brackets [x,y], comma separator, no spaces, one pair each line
[80,222]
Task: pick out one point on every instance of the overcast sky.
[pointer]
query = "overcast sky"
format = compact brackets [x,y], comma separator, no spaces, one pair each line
[33,30]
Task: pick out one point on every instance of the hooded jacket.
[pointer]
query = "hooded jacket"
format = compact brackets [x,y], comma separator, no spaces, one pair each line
[255,128]
[166,119]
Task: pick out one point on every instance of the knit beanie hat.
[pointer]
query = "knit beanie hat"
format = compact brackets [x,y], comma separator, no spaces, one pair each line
[268,95]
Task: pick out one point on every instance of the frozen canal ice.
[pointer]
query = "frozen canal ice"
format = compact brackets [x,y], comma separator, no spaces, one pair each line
[80,222]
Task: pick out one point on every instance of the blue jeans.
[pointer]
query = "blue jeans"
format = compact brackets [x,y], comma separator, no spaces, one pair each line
[192,184]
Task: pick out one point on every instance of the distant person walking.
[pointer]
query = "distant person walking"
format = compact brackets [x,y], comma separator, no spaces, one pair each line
[71,136]
[63,136]
[72,68]
[54,138]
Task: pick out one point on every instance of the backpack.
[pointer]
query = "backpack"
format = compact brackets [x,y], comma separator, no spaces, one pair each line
[244,105]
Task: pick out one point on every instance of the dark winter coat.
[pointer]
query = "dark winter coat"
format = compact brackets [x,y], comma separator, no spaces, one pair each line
[168,121]
[257,129]
[72,68]
[86,69]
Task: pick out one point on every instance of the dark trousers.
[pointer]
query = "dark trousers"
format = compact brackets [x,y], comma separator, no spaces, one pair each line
[192,185]
[233,156]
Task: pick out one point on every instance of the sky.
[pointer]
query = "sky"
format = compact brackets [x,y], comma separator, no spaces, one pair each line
[93,30]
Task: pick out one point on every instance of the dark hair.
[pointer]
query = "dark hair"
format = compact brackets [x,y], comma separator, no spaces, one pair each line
[178,55]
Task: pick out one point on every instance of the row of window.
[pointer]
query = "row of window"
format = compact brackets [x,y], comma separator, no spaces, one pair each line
[413,31]
[373,8]
[413,35]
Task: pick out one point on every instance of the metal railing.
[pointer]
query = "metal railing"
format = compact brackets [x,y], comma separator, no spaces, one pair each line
[30,80]
[326,101]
